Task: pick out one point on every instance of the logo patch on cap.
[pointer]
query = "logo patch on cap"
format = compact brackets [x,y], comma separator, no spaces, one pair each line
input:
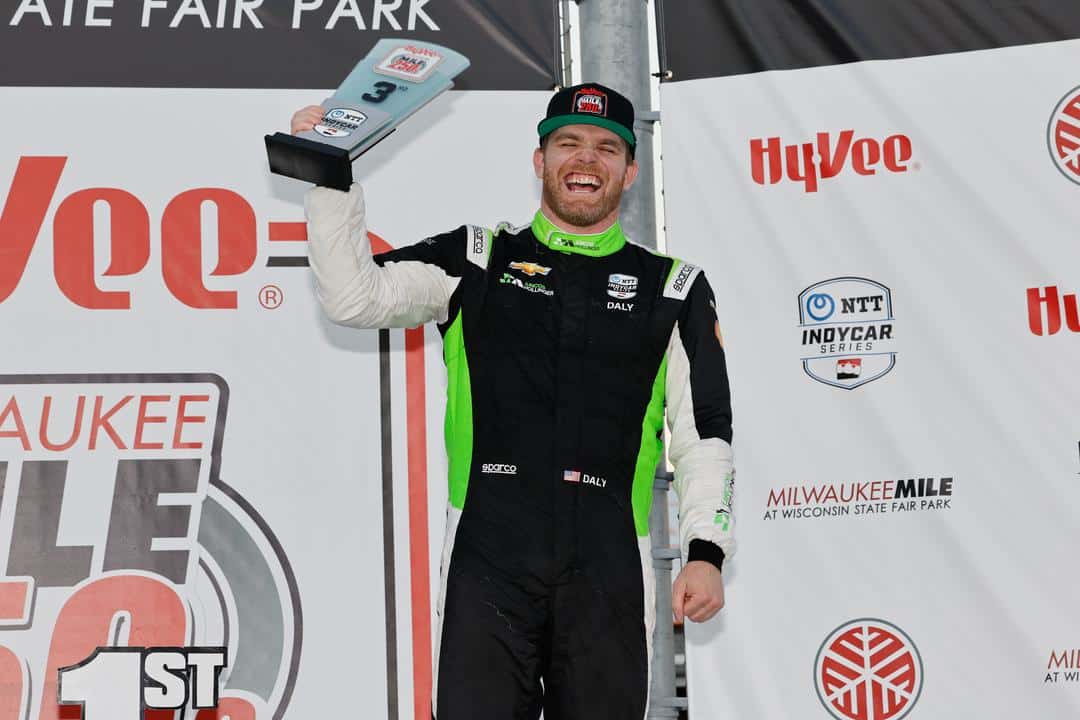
[591,101]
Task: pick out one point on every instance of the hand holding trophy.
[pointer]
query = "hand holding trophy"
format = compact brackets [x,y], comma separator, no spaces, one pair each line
[394,80]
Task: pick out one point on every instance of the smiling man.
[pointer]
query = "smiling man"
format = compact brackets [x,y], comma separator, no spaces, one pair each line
[563,344]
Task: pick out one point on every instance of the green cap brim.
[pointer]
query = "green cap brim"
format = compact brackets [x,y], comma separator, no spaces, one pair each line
[554,123]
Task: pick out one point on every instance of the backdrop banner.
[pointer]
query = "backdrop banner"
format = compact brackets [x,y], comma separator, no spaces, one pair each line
[258,44]
[894,251]
[191,456]
[710,38]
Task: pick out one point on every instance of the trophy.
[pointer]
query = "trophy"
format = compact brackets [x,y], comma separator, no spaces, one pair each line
[394,80]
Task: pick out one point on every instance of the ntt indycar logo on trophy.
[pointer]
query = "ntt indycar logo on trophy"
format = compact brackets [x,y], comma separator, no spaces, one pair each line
[340,122]
[846,330]
[135,577]
[868,669]
[1063,135]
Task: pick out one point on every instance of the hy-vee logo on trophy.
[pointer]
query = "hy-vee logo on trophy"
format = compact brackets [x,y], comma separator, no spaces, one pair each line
[409,63]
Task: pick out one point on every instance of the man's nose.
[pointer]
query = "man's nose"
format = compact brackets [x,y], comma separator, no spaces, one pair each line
[587,152]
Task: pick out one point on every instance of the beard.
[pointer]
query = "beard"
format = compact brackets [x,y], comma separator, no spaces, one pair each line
[580,209]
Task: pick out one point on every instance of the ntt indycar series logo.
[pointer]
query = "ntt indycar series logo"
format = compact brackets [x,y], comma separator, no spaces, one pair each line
[846,329]
[136,579]
[868,669]
[340,122]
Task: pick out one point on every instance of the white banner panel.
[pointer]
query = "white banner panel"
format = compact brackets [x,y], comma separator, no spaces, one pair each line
[894,251]
[190,455]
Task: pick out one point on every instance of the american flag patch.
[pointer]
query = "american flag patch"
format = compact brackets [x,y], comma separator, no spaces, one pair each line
[571,476]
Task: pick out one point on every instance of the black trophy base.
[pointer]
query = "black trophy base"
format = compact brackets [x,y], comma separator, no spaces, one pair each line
[311,161]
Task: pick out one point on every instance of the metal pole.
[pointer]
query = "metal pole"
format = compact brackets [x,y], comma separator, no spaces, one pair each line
[565,56]
[662,700]
[615,52]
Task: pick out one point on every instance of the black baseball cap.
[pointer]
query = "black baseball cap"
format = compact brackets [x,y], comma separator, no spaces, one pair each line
[591,104]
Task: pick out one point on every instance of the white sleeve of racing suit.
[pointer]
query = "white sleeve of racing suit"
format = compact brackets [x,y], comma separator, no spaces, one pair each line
[699,418]
[352,288]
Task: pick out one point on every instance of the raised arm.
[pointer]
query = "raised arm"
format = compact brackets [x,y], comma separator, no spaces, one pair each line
[403,288]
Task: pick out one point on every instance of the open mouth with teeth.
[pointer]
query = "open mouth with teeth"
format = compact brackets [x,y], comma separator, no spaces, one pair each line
[582,183]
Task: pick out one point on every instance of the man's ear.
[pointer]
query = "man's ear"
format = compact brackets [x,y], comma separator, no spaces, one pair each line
[538,162]
[631,175]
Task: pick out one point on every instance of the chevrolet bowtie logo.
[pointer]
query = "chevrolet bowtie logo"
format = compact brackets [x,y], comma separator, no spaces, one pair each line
[530,268]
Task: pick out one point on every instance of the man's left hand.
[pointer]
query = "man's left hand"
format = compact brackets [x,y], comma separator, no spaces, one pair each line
[698,593]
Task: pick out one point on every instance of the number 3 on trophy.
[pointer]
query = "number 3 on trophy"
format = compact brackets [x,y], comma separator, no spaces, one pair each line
[382,91]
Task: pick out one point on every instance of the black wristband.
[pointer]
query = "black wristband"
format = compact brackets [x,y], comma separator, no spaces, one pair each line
[707,551]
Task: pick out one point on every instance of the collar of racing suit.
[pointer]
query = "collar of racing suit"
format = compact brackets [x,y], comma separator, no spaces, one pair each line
[603,243]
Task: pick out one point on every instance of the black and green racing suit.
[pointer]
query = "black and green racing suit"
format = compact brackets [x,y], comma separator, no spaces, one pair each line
[562,352]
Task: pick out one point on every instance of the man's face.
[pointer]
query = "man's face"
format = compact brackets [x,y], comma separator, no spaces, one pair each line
[585,170]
